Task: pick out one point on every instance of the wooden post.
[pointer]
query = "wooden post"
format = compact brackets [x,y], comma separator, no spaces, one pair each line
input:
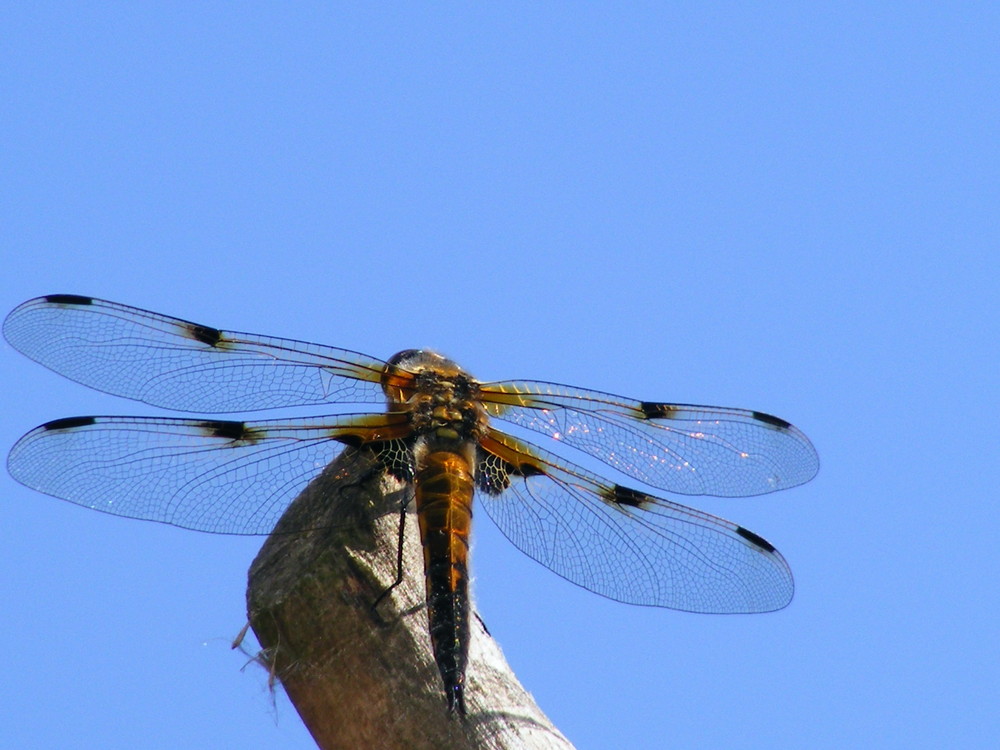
[366,678]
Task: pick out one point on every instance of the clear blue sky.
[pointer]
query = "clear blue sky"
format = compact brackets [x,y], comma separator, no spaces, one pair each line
[792,210]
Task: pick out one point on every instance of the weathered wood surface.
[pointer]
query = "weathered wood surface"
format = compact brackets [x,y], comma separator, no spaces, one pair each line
[364,677]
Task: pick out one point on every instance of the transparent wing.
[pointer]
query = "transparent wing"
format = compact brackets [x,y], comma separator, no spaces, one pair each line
[176,364]
[210,475]
[682,448]
[624,544]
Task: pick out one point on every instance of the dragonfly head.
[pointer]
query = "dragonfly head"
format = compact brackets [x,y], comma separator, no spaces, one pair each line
[403,369]
[422,360]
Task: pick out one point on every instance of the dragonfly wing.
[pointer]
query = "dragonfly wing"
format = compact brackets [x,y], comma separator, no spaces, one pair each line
[210,475]
[177,364]
[682,448]
[622,543]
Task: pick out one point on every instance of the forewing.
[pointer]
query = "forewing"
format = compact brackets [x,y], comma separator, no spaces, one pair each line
[624,544]
[209,475]
[682,448]
[176,364]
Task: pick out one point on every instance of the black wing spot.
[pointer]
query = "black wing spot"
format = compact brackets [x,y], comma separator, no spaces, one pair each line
[778,422]
[225,429]
[529,470]
[350,439]
[754,539]
[396,456]
[493,473]
[68,423]
[627,496]
[204,334]
[653,410]
[68,299]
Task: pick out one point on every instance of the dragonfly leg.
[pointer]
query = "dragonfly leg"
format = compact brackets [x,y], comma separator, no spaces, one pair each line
[399,558]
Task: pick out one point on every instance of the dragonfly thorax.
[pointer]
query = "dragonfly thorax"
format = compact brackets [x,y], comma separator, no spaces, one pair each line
[440,397]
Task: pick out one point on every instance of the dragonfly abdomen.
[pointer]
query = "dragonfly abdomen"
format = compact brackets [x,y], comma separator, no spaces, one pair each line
[443,489]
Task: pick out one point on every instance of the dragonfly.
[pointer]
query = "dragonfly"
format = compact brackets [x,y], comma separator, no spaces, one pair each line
[436,433]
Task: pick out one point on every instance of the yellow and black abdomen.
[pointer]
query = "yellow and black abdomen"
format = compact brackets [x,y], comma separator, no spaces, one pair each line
[443,488]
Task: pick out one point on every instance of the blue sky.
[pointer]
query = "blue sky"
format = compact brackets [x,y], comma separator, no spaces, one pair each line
[782,208]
